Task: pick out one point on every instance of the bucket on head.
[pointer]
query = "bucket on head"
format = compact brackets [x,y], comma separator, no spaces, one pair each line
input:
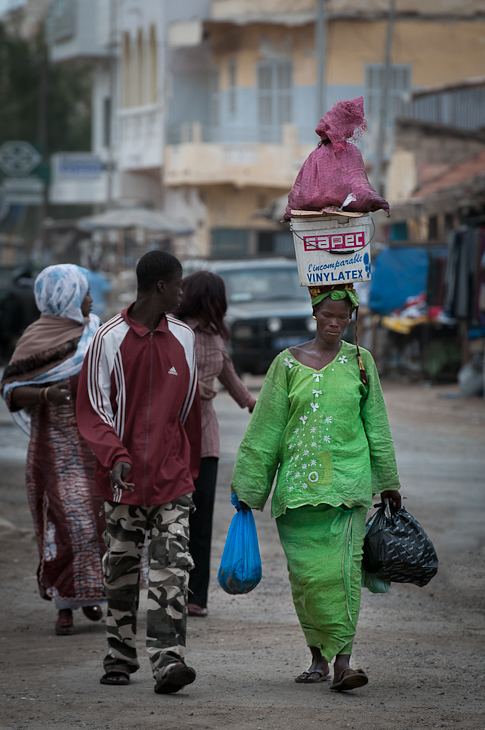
[332,249]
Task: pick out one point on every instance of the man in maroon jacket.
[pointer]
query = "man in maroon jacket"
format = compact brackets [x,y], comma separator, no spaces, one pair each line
[138,408]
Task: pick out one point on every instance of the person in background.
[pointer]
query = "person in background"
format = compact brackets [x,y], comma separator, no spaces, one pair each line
[321,425]
[17,310]
[99,288]
[40,386]
[139,410]
[203,308]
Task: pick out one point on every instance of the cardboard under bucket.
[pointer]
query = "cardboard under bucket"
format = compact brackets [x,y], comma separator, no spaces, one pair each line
[332,249]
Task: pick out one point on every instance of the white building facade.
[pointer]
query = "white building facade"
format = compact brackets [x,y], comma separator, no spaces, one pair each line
[124,41]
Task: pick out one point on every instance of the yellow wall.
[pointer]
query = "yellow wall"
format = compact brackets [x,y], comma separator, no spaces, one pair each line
[438,51]
[251,44]
[228,207]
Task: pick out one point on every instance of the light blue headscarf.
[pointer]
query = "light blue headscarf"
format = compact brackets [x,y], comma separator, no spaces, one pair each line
[60,290]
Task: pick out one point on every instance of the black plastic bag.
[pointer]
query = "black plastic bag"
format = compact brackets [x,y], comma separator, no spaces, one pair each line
[396,548]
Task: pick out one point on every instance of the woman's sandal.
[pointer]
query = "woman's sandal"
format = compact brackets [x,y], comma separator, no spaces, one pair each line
[116,677]
[357,678]
[64,625]
[306,677]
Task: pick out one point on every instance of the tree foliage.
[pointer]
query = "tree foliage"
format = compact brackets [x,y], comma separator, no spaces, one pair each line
[68,97]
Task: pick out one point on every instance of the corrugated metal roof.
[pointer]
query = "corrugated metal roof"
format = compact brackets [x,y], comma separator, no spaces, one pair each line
[457,175]
[460,105]
[458,86]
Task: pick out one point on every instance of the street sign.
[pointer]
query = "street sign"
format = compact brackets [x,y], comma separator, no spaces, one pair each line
[19,159]
[78,165]
[24,190]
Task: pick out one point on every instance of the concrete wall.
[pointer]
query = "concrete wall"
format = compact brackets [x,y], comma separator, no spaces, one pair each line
[435,51]
[218,206]
[425,151]
[84,41]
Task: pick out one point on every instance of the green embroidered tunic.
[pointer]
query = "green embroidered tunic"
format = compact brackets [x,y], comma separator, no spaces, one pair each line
[323,432]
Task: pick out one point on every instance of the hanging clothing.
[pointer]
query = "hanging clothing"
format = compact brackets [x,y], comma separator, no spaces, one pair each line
[462,274]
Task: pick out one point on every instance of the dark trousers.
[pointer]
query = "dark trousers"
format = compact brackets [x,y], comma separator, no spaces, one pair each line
[201,530]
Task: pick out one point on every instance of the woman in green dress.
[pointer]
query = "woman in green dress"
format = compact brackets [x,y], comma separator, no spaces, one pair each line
[321,425]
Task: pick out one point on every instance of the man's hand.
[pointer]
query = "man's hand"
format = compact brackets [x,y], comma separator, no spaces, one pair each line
[394,497]
[206,393]
[118,475]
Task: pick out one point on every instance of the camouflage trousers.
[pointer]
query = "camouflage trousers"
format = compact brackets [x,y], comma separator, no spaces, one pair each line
[167,529]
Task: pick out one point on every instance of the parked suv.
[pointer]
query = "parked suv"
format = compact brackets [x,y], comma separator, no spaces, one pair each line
[267,311]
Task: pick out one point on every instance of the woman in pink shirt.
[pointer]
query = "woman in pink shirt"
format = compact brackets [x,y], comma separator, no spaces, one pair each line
[203,308]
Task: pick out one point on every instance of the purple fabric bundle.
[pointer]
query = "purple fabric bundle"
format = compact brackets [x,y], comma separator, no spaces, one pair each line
[335,171]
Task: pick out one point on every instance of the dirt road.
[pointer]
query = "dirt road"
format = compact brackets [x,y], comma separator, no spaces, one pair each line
[423,649]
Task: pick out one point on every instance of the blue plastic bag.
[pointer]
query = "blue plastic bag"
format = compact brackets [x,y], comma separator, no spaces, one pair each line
[240,568]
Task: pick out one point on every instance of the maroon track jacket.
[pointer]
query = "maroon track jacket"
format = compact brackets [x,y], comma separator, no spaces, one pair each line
[138,402]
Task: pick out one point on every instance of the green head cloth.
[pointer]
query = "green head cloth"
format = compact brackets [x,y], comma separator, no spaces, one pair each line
[337,294]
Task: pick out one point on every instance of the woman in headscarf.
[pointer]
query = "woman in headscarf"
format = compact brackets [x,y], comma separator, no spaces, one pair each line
[320,423]
[39,386]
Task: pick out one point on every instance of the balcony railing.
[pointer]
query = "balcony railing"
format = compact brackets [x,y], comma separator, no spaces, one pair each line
[198,155]
[463,108]
[140,136]
[190,132]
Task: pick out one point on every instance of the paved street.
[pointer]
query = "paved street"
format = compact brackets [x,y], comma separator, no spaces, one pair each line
[423,649]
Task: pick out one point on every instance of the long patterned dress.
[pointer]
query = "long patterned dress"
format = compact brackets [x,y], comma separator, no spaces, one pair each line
[65,510]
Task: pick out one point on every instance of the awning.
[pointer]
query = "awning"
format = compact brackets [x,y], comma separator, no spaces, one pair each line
[136,218]
[461,185]
[398,273]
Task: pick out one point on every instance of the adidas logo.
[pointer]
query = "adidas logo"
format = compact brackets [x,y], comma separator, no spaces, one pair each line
[172,371]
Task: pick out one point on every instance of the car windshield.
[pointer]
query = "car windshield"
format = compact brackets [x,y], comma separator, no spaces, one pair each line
[253,285]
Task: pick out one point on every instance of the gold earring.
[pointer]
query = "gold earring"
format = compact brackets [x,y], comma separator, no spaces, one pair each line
[313,316]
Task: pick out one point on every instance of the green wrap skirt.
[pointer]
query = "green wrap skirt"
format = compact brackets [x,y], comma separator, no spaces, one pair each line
[323,547]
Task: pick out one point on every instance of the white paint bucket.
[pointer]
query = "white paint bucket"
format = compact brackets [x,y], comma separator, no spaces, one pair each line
[332,249]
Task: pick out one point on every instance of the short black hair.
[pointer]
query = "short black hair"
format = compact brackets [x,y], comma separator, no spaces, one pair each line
[156,266]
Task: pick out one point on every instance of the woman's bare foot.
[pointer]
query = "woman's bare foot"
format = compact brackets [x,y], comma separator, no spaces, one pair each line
[318,670]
